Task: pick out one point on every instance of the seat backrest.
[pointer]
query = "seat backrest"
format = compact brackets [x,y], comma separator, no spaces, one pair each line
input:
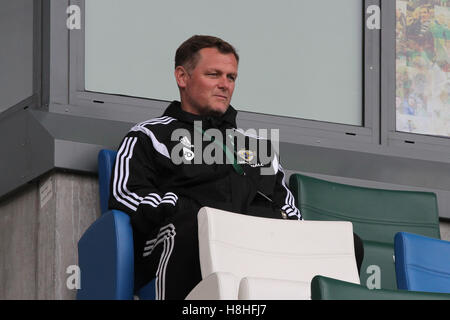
[323,288]
[248,246]
[106,160]
[106,258]
[422,263]
[377,214]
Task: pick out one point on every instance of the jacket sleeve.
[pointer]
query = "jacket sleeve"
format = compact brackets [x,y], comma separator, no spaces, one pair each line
[134,188]
[282,196]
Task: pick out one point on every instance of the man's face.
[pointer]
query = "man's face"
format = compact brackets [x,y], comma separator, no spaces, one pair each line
[208,88]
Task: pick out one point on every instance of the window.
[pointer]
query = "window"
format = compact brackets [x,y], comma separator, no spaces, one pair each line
[301,59]
[423,67]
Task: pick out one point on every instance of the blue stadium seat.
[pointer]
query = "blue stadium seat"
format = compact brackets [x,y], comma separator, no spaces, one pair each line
[422,263]
[105,251]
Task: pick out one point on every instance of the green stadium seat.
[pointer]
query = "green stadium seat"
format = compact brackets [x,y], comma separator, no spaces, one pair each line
[377,215]
[323,288]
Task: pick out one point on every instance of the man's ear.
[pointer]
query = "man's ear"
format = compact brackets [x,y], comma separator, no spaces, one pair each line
[181,76]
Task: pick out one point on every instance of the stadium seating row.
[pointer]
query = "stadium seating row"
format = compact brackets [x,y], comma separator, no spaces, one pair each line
[399,229]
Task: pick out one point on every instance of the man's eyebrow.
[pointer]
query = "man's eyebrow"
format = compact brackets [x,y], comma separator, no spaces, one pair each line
[234,74]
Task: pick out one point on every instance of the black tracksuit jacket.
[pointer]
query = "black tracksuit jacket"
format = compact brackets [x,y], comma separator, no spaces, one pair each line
[163,196]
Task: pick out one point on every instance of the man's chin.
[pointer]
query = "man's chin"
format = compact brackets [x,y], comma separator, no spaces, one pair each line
[217,111]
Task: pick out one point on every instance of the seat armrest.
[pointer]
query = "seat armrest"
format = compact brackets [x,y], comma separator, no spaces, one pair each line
[252,288]
[106,258]
[216,286]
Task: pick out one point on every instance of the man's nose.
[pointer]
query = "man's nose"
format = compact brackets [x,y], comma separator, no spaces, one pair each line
[224,83]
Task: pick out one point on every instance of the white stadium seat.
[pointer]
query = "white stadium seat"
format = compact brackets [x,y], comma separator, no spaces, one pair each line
[252,258]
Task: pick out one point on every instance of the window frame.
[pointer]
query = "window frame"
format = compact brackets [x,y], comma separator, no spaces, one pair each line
[405,141]
[111,106]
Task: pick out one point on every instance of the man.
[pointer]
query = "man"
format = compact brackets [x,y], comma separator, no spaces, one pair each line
[158,181]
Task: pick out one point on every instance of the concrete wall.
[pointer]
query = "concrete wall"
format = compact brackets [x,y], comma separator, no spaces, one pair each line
[18,245]
[40,226]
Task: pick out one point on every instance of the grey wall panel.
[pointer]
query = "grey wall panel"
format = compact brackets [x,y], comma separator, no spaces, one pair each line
[13,158]
[40,147]
[366,166]
[76,156]
[77,140]
[27,150]
[16,51]
[35,142]
[82,129]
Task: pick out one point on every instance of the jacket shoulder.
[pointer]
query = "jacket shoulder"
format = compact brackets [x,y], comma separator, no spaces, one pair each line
[156,127]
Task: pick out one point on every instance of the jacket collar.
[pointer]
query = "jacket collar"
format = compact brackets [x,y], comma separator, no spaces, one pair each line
[227,120]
